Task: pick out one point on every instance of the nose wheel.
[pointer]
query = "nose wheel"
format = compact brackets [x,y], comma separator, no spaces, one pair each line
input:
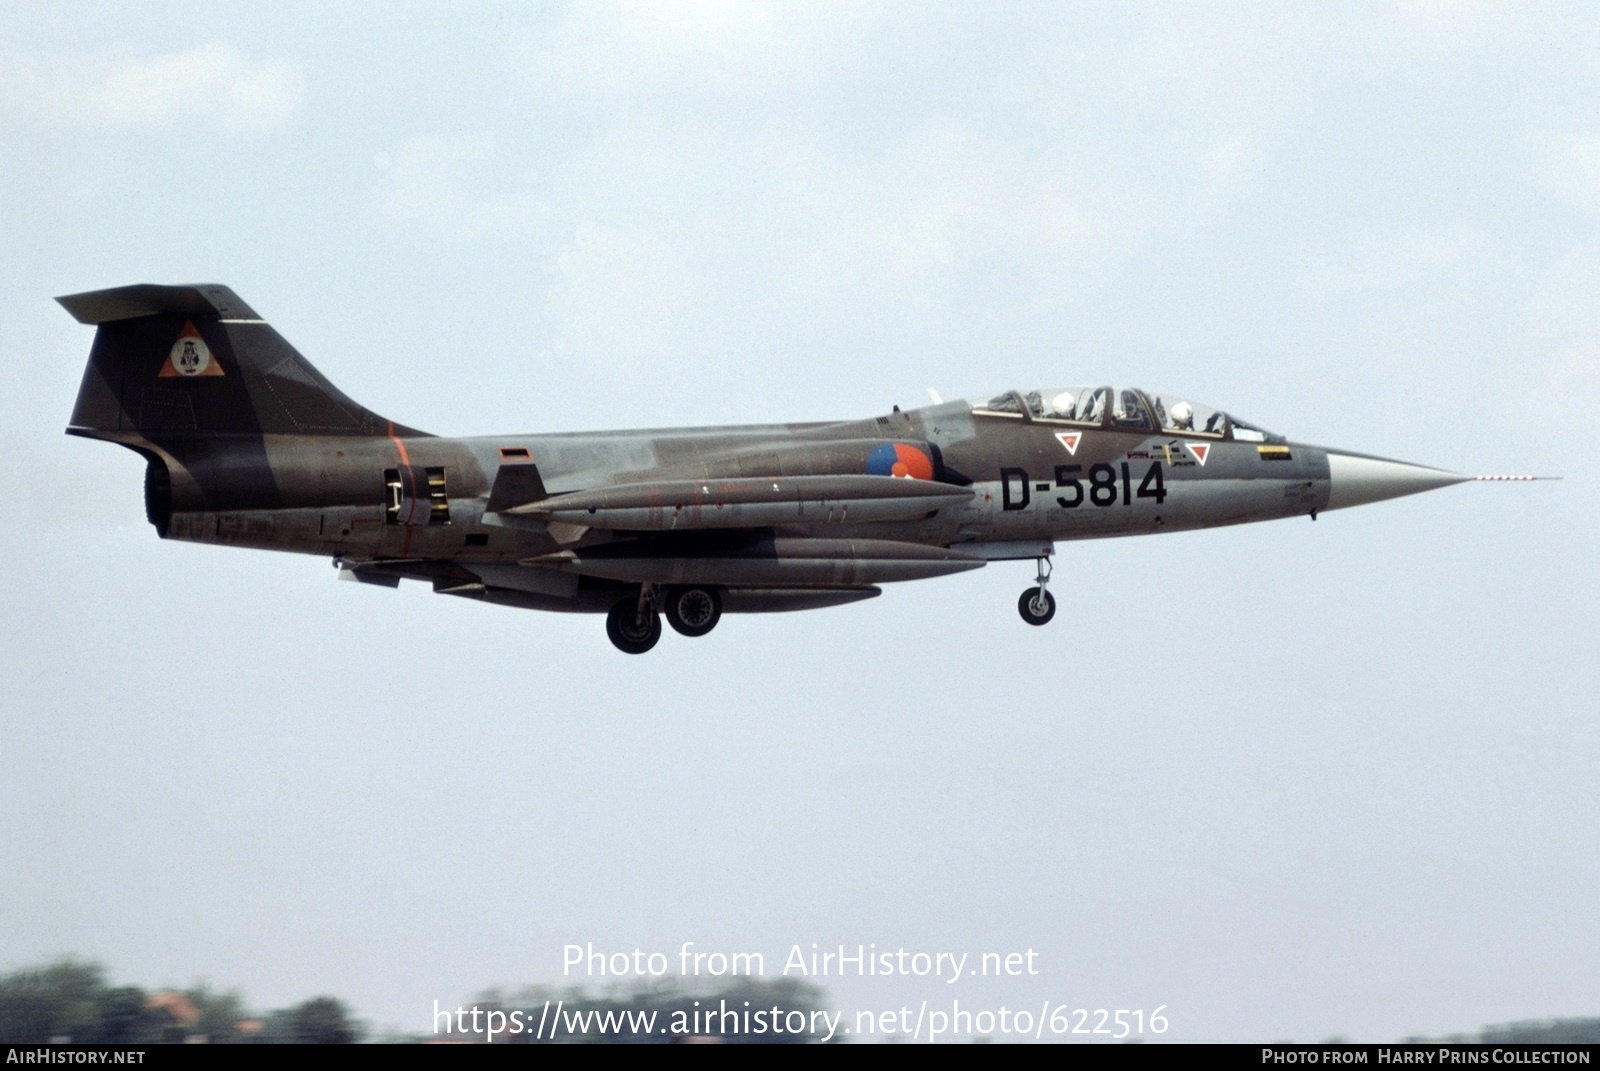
[633,625]
[1037,606]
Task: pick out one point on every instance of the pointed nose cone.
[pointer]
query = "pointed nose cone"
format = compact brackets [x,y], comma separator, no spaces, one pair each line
[1357,480]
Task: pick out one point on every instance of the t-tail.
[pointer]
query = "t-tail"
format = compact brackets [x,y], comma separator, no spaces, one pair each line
[186,361]
[194,380]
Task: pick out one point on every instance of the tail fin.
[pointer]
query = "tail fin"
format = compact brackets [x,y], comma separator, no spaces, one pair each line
[183,362]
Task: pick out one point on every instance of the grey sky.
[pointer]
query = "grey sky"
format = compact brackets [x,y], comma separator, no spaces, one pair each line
[1290,780]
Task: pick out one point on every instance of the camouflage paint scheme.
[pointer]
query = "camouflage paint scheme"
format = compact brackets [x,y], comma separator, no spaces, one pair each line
[248,445]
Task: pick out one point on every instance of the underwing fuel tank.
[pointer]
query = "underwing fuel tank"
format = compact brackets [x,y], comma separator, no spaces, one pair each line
[833,562]
[747,503]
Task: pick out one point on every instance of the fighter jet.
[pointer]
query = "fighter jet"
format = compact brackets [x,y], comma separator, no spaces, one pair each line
[248,445]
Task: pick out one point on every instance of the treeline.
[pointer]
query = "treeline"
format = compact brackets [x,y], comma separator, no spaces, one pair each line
[71,1002]
[1529,1032]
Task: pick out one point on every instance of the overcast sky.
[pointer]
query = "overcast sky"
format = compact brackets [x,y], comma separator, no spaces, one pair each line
[1289,780]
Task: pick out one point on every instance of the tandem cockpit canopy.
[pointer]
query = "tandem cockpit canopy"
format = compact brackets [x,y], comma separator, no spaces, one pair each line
[1123,409]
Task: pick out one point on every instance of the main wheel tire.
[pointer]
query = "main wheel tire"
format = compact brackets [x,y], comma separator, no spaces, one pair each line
[693,611]
[1036,607]
[631,631]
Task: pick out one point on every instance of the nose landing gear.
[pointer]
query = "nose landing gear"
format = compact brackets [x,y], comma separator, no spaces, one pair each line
[1037,606]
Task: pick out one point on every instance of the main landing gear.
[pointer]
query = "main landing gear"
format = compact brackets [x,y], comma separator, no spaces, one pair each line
[1037,606]
[693,611]
[634,624]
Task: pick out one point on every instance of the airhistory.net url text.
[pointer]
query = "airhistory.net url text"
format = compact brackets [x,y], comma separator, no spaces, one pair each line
[555,1021]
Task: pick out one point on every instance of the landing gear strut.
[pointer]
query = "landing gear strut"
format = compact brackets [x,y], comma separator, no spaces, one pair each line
[1037,606]
[633,625]
[693,611]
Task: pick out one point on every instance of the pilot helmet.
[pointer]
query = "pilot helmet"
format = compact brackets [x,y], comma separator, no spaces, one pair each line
[1183,415]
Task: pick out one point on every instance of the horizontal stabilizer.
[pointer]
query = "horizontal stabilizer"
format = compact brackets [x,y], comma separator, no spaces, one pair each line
[679,505]
[146,299]
[177,365]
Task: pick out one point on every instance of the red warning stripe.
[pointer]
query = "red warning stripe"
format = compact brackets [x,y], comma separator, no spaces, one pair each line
[405,460]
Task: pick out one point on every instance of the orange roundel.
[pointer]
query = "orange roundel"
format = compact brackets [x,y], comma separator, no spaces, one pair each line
[898,459]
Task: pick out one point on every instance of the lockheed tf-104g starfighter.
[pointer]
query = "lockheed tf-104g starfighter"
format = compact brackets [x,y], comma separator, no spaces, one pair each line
[246,444]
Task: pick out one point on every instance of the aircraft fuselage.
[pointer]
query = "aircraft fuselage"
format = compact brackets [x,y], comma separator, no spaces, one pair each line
[248,445]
